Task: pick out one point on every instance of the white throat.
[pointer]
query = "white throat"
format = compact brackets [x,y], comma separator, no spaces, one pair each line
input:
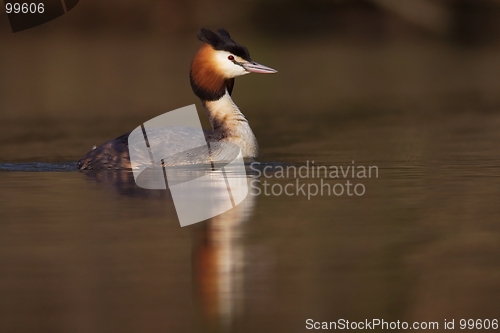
[230,125]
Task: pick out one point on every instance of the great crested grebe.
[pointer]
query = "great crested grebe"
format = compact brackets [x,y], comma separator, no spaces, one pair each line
[213,69]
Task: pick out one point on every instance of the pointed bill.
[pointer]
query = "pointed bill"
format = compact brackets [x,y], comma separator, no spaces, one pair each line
[254,67]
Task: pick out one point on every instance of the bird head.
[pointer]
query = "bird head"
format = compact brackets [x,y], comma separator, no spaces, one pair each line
[218,61]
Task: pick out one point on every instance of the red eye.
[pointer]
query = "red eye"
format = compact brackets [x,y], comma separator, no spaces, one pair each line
[230,57]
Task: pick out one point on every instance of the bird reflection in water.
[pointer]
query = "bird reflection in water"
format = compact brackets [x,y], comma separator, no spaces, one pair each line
[218,246]
[218,264]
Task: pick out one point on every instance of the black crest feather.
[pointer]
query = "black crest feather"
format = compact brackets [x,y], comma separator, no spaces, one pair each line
[222,41]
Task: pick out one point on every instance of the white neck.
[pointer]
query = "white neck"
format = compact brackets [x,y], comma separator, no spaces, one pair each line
[230,125]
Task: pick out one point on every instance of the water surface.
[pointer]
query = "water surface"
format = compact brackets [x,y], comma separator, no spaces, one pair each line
[91,252]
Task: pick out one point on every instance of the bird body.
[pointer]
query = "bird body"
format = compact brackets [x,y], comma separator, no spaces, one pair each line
[213,69]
